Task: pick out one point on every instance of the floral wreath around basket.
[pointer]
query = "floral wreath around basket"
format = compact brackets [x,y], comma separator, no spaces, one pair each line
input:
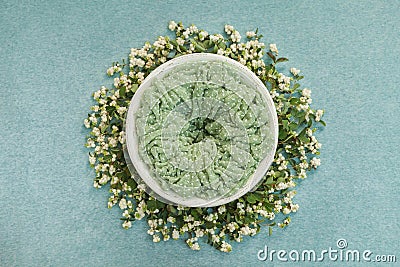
[269,205]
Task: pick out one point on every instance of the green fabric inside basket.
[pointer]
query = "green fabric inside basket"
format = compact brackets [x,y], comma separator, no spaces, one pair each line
[203,130]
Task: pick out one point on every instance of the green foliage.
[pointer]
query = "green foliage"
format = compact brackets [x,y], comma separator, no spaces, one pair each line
[295,154]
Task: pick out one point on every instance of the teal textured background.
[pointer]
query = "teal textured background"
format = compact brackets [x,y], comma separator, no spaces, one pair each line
[54,55]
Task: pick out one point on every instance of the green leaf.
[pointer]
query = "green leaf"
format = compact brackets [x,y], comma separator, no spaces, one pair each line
[303,138]
[248,220]
[120,175]
[207,44]
[282,59]
[285,124]
[269,205]
[286,107]
[215,49]
[258,196]
[222,45]
[280,180]
[174,43]
[238,219]
[271,56]
[160,204]
[282,134]
[134,87]
[253,198]
[194,213]
[179,221]
[151,204]
[295,86]
[198,47]
[122,92]
[270,180]
[208,224]
[132,183]
[293,126]
[181,48]
[294,101]
[172,209]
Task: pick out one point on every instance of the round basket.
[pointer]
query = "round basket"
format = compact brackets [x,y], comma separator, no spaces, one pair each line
[201,131]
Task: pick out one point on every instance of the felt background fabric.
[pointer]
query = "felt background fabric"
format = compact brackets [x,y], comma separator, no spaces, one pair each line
[54,55]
